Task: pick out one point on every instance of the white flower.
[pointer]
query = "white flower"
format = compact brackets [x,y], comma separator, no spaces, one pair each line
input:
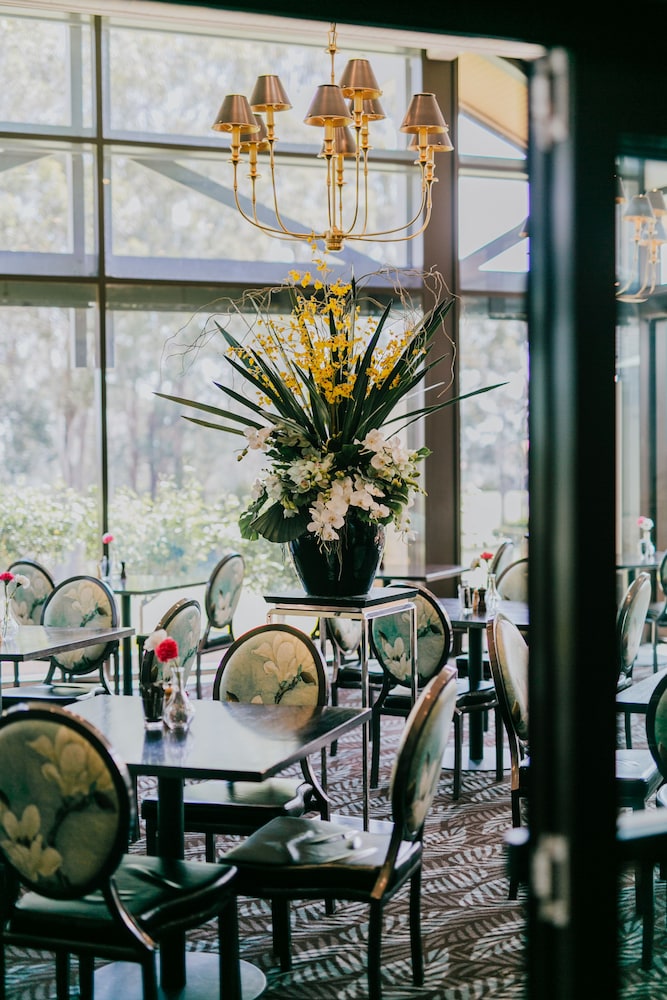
[155,638]
[257,438]
[374,441]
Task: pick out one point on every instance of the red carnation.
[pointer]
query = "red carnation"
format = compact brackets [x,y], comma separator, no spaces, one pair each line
[166,650]
[6,577]
[486,556]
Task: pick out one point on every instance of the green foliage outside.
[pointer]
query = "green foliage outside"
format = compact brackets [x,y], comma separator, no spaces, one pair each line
[176,532]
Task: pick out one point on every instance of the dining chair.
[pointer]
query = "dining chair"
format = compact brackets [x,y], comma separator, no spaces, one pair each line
[182,622]
[29,598]
[637,776]
[391,642]
[301,858]
[512,581]
[83,602]
[630,625]
[221,598]
[69,885]
[271,664]
[656,616]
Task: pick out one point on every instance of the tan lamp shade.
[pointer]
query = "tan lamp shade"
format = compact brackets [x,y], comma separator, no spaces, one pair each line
[258,139]
[235,112]
[328,107]
[358,79]
[269,94]
[439,142]
[344,143]
[424,113]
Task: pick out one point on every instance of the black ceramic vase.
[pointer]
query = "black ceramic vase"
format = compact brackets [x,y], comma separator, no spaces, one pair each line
[345,568]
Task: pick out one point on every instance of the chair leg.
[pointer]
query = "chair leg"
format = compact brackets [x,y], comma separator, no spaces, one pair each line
[458,754]
[416,950]
[282,932]
[62,976]
[86,977]
[375,750]
[374,951]
[228,949]
[500,746]
[209,841]
[149,978]
[151,837]
[628,730]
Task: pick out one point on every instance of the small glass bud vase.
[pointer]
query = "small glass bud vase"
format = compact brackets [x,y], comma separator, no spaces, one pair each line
[646,546]
[9,623]
[178,710]
[491,592]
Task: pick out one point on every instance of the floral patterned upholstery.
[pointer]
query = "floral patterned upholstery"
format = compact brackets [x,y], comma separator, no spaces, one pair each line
[391,640]
[28,601]
[512,659]
[182,622]
[272,664]
[223,592]
[82,602]
[630,622]
[61,822]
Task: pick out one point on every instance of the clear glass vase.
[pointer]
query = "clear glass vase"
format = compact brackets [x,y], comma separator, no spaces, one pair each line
[178,710]
[9,623]
[491,596]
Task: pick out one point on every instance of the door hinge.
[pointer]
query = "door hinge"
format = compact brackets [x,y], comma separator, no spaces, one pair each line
[550,867]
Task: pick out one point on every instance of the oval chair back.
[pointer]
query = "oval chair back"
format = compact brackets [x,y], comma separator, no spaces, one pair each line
[221,598]
[630,623]
[390,636]
[83,819]
[182,622]
[512,582]
[656,725]
[82,602]
[503,557]
[29,599]
[417,766]
[272,664]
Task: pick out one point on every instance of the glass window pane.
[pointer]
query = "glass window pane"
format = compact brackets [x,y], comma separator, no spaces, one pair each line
[49,448]
[493,244]
[46,71]
[184,77]
[494,426]
[46,209]
[201,223]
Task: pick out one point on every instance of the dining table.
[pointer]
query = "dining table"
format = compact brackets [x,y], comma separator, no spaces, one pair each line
[225,740]
[419,572]
[146,587]
[40,642]
[478,757]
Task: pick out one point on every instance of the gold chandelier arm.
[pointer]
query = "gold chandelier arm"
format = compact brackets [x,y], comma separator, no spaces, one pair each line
[283,233]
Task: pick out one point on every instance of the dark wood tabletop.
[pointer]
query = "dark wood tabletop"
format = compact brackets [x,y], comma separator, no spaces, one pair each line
[38,642]
[234,742]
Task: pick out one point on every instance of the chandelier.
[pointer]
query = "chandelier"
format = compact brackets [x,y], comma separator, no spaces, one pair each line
[644,212]
[345,111]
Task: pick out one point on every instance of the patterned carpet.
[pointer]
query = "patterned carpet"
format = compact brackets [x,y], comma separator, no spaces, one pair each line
[472,933]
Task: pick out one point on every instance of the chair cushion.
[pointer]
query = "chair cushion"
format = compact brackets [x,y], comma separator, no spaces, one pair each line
[286,852]
[238,804]
[149,890]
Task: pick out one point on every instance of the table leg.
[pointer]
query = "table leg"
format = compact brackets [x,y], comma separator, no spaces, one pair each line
[475,668]
[365,728]
[126,619]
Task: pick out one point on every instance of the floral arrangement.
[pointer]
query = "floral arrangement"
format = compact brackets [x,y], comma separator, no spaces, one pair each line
[645,524]
[11,581]
[166,656]
[323,409]
[107,538]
